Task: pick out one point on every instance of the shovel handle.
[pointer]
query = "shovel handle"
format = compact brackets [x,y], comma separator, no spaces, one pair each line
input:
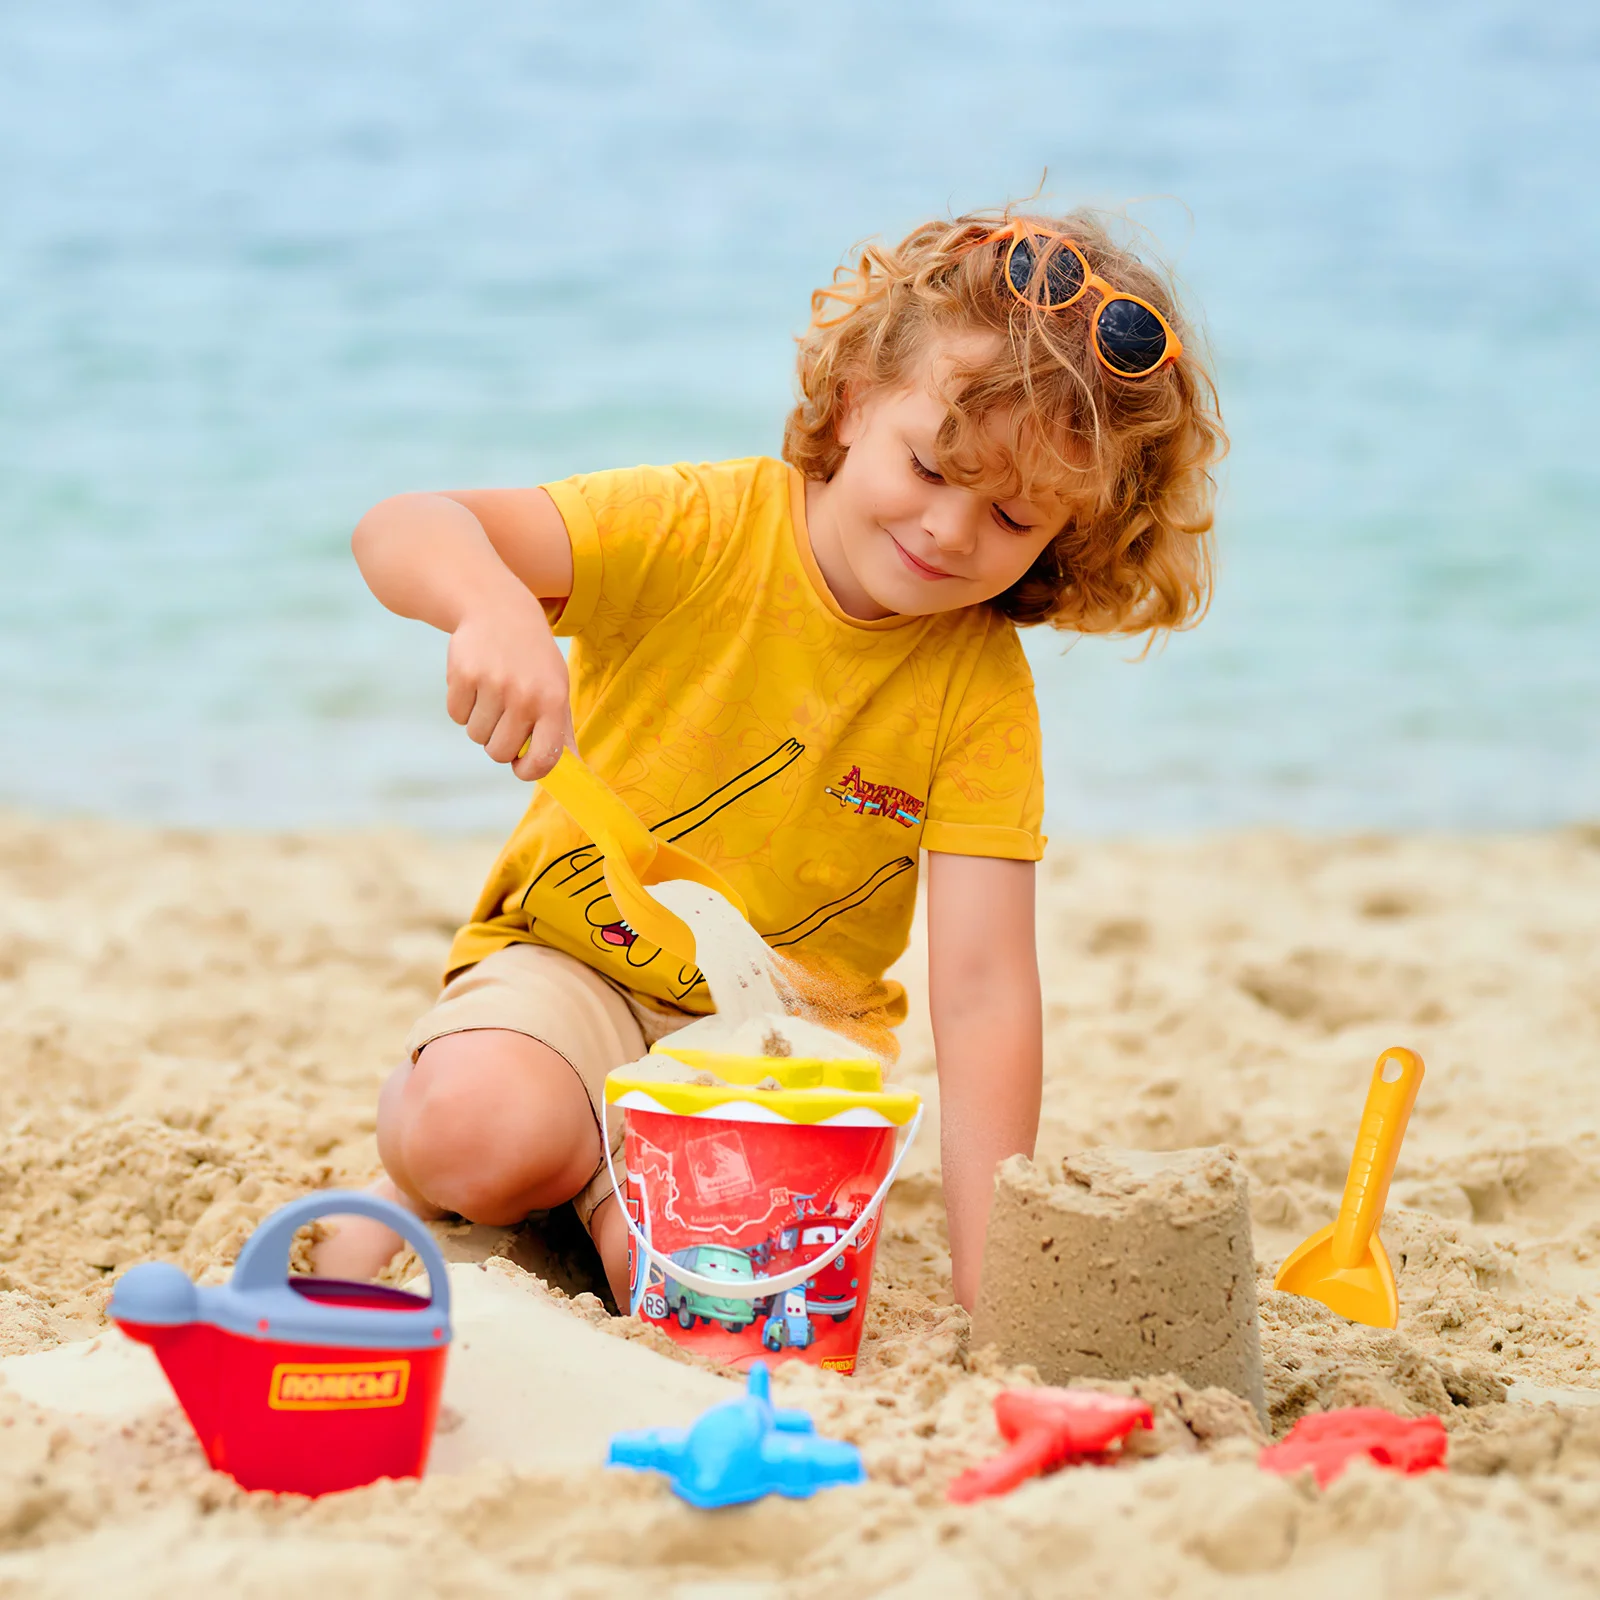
[1395,1080]
[597,810]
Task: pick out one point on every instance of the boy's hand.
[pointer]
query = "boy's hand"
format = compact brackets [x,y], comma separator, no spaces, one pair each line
[474,563]
[508,684]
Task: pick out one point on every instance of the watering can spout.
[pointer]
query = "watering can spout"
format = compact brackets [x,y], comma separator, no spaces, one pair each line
[155,1295]
[156,1304]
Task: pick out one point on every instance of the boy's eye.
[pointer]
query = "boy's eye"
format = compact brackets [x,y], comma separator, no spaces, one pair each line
[928,475]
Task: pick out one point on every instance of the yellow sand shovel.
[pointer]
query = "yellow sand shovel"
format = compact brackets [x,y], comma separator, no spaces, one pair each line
[1345,1266]
[634,857]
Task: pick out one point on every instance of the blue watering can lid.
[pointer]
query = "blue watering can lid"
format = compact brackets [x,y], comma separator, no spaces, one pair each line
[259,1301]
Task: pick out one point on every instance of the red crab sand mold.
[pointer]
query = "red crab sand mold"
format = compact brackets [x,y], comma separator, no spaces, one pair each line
[1048,1428]
[1330,1440]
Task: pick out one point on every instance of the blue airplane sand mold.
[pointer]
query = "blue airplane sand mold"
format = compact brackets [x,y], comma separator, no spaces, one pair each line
[741,1451]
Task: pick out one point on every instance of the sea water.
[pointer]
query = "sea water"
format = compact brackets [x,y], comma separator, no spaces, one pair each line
[263,266]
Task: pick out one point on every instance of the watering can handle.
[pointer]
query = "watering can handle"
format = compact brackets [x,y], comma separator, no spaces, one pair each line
[1395,1080]
[264,1261]
[755,1288]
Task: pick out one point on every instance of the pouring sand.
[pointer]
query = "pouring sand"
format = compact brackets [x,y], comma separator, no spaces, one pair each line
[757,1013]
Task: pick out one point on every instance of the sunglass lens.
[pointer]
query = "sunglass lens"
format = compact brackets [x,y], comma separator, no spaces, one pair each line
[1060,281]
[1130,336]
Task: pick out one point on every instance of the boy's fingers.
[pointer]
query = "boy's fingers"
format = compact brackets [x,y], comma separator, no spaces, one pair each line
[543,749]
[459,699]
[510,734]
[487,710]
[536,760]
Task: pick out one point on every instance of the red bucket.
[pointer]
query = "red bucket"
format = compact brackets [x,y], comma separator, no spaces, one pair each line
[301,1385]
[752,1200]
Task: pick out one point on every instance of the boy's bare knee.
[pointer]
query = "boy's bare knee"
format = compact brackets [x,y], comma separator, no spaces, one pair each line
[494,1129]
[473,1193]
[458,1151]
[391,1126]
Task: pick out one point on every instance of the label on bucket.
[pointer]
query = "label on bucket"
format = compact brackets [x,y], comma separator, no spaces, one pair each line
[338,1386]
[750,1200]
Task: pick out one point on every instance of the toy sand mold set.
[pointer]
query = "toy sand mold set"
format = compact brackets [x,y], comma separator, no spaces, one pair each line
[753,1190]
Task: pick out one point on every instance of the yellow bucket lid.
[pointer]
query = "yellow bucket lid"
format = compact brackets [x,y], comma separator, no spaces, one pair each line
[703,1083]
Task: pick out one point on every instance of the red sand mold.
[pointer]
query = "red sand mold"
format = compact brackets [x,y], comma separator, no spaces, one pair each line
[1328,1441]
[1048,1428]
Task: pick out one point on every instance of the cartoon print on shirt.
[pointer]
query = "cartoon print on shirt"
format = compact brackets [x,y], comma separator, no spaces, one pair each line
[877,799]
[859,895]
[583,868]
[580,873]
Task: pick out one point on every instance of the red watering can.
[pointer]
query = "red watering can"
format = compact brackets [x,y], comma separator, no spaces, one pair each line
[302,1385]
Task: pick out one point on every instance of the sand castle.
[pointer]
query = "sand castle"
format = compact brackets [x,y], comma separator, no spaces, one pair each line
[1132,1264]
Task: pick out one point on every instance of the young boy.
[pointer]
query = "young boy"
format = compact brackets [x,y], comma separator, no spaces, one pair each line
[804,672]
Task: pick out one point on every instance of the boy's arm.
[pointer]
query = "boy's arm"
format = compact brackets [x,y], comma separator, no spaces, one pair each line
[476,564]
[988,1036]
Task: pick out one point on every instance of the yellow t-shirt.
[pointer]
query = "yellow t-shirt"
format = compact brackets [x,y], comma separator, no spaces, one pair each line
[802,753]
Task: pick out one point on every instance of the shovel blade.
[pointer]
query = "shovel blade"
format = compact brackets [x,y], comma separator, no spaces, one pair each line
[1364,1293]
[645,914]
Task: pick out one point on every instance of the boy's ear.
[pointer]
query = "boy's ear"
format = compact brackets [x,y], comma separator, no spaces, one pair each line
[847,429]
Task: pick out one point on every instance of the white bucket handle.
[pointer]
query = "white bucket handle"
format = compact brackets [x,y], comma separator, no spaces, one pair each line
[755,1288]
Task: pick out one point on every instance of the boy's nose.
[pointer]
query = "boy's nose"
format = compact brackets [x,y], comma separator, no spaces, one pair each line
[952,527]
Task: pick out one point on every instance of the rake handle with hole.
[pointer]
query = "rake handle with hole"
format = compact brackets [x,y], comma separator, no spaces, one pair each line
[1395,1081]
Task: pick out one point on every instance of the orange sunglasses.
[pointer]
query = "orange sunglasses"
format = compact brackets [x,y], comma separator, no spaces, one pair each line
[1048,271]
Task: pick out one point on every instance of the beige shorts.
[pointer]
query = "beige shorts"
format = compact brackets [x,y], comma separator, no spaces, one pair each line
[554,998]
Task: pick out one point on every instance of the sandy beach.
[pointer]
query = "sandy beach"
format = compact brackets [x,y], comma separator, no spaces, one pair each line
[193,1027]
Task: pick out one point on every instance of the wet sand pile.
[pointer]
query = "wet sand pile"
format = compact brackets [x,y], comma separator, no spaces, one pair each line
[193,1028]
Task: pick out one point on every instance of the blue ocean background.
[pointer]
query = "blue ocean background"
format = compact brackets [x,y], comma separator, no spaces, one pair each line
[261,266]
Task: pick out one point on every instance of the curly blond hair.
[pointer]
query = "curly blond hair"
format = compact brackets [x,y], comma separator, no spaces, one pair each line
[1133,456]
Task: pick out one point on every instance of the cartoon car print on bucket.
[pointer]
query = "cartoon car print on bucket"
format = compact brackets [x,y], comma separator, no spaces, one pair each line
[802,1257]
[711,1261]
[832,1293]
[835,1288]
[788,1325]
